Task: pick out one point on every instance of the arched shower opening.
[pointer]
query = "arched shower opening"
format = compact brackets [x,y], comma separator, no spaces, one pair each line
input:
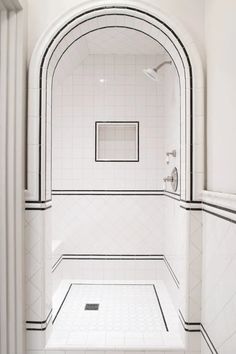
[181,207]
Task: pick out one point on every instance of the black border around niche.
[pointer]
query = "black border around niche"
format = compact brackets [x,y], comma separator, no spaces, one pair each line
[117,122]
[158,21]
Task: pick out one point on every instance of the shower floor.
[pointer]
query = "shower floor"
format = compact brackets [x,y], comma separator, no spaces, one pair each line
[117,315]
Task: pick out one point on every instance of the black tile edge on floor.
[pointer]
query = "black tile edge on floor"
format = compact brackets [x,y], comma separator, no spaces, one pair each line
[115,284]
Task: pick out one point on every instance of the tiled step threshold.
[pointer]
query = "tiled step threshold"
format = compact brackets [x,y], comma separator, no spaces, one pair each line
[163,343]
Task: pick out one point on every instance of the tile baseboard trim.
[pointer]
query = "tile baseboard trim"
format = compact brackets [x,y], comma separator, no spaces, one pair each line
[112,192]
[198,327]
[118,257]
[39,325]
[223,201]
[220,212]
[38,205]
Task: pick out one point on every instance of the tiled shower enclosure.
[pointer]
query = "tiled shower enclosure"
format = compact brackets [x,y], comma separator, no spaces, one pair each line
[113,252]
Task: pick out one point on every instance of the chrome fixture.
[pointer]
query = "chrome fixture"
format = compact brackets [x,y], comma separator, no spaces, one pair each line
[172,153]
[168,179]
[173,179]
[168,154]
[152,72]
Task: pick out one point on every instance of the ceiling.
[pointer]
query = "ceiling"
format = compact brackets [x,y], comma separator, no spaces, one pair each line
[122,41]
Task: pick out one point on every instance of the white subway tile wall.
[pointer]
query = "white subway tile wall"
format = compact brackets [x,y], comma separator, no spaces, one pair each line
[108,88]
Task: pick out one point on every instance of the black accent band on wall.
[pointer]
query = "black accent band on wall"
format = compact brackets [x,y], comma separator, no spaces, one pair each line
[42,209]
[39,325]
[129,192]
[220,216]
[108,257]
[198,327]
[119,257]
[233,211]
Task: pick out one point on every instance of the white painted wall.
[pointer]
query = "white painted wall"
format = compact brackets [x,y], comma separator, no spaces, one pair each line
[221,95]
[189,13]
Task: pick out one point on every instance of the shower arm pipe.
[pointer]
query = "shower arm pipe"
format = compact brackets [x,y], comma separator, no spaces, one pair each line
[172,153]
[161,65]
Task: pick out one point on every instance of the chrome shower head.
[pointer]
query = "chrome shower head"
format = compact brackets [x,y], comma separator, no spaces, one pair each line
[152,73]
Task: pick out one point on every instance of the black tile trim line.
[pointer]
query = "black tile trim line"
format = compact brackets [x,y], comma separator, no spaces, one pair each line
[119,257]
[171,196]
[233,211]
[42,325]
[157,192]
[119,122]
[116,284]
[103,192]
[220,216]
[41,209]
[172,193]
[108,190]
[108,257]
[96,194]
[191,208]
[189,327]
[116,7]
[37,201]
[172,273]
[36,205]
[208,340]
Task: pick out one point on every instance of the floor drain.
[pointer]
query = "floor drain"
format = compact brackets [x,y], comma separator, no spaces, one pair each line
[91,307]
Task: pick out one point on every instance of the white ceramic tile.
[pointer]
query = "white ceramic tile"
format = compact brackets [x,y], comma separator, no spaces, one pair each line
[108,224]
[219,290]
[76,111]
[128,317]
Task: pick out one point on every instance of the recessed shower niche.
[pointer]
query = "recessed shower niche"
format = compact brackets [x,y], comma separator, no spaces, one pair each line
[117,234]
[117,141]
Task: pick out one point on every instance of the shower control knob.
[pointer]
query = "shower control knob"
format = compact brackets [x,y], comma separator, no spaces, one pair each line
[173,179]
[168,179]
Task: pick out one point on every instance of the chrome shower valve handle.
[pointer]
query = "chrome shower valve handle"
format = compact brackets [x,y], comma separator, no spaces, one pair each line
[168,179]
[173,179]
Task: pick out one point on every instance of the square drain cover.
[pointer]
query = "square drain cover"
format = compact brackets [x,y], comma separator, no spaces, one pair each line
[91,307]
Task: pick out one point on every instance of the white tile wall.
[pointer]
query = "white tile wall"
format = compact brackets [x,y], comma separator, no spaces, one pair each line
[183,248]
[108,270]
[108,224]
[38,264]
[125,93]
[219,285]
[172,121]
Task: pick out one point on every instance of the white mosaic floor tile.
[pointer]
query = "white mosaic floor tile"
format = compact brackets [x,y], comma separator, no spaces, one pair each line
[129,317]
